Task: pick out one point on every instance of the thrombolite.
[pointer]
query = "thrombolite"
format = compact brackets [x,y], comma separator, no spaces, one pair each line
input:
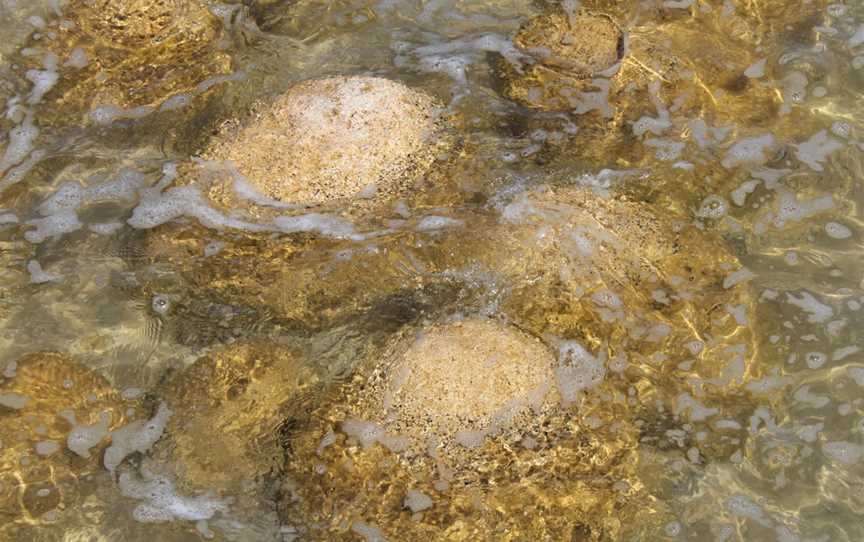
[613,295]
[126,57]
[331,140]
[638,84]
[55,421]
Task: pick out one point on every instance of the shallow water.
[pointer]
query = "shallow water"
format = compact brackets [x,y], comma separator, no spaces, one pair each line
[232,342]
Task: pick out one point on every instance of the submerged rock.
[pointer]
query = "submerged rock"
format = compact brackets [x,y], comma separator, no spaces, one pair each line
[568,50]
[121,59]
[590,286]
[461,382]
[228,405]
[334,140]
[55,420]
[461,413]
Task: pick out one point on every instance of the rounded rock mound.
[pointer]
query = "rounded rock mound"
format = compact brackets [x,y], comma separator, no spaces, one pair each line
[584,44]
[334,139]
[134,24]
[466,380]
[566,53]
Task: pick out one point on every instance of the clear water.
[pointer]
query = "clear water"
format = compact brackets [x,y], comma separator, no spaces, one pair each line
[276,322]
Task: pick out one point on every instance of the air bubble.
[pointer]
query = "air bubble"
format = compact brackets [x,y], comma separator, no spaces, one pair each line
[816,359]
[161,304]
[713,207]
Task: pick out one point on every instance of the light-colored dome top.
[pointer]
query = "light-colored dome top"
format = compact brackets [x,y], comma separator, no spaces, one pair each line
[332,139]
[467,379]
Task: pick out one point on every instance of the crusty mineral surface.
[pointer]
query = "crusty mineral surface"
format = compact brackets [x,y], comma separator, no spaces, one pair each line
[584,44]
[466,379]
[335,139]
[143,24]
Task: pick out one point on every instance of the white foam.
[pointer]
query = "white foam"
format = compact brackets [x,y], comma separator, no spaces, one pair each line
[12,400]
[749,151]
[178,101]
[656,125]
[704,135]
[756,70]
[793,90]
[739,195]
[577,370]
[818,312]
[105,228]
[434,223]
[767,384]
[368,433]
[804,396]
[769,176]
[666,149]
[745,507]
[157,208]
[857,38]
[59,209]
[678,4]
[43,81]
[20,144]
[107,114]
[713,207]
[847,453]
[841,129]
[817,149]
[39,275]
[162,503]
[696,411]
[47,447]
[369,531]
[835,230]
[737,277]
[844,352]
[815,360]
[790,209]
[52,226]
[17,173]
[584,102]
[327,225]
[77,59]
[137,436]
[455,57]
[82,438]
[739,313]
[856,374]
[418,501]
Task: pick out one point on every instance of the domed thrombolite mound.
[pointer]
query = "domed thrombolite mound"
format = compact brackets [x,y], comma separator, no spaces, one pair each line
[610,269]
[336,139]
[452,420]
[567,51]
[238,394]
[583,45]
[128,54]
[464,381]
[132,23]
[55,420]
